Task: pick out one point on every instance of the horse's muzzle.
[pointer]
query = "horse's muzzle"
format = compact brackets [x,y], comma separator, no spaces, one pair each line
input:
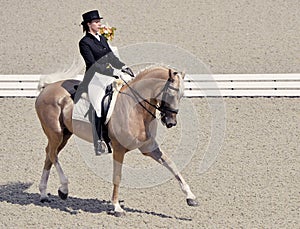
[169,125]
[168,121]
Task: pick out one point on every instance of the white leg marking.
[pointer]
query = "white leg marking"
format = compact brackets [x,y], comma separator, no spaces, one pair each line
[186,189]
[63,179]
[43,184]
[118,207]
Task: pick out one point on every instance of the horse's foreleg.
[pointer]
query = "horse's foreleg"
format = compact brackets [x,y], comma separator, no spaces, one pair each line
[163,159]
[118,157]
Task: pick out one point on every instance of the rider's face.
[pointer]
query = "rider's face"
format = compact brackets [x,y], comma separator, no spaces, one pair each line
[94,25]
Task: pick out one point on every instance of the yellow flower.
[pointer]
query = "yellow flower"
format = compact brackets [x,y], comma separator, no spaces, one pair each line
[108,32]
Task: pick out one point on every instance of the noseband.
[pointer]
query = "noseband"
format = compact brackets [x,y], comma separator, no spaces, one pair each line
[163,108]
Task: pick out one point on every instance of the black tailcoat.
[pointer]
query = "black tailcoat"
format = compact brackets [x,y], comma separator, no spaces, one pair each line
[98,57]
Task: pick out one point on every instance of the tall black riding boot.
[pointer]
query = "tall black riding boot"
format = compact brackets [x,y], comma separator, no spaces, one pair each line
[105,136]
[99,144]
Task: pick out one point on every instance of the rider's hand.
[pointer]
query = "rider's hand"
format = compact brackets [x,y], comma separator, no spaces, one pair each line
[124,76]
[127,70]
[116,73]
[119,74]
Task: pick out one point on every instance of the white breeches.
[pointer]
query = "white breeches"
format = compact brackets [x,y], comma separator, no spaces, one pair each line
[96,90]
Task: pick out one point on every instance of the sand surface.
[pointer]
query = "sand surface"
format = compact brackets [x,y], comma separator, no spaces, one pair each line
[254,182]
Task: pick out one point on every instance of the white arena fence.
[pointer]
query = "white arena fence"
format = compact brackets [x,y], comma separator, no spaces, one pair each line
[196,85]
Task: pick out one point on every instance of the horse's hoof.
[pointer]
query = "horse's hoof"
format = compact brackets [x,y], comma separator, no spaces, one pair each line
[45,200]
[119,214]
[62,195]
[192,202]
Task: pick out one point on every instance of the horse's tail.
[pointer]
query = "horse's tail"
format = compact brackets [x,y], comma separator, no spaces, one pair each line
[70,73]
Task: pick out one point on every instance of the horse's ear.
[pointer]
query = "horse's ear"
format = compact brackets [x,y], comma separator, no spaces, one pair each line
[170,73]
[183,74]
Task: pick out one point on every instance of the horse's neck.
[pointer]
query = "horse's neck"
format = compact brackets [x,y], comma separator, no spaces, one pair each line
[133,113]
[142,91]
[149,84]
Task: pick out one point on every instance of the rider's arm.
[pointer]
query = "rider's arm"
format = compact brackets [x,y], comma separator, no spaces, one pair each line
[113,59]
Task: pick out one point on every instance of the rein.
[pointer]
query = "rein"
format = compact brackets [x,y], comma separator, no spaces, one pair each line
[137,96]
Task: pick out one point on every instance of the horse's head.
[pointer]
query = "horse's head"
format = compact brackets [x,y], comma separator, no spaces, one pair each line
[158,88]
[171,95]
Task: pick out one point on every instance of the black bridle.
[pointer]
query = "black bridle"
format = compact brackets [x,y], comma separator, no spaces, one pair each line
[163,108]
[163,105]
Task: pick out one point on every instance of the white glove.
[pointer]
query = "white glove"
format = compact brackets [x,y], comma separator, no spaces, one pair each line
[117,73]
[124,76]
[127,70]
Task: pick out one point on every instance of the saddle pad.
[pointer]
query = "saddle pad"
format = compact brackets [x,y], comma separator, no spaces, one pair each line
[81,110]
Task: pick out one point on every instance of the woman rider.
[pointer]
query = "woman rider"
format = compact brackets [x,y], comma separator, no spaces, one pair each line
[98,58]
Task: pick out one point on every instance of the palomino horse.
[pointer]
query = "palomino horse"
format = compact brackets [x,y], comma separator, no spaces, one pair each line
[129,127]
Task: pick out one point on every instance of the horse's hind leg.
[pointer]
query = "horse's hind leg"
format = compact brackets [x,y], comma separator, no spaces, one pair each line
[44,178]
[63,189]
[56,142]
[163,159]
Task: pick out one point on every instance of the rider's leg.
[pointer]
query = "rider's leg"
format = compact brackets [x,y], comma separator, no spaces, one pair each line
[99,144]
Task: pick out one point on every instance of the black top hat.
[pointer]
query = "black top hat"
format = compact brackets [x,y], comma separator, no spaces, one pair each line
[91,15]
